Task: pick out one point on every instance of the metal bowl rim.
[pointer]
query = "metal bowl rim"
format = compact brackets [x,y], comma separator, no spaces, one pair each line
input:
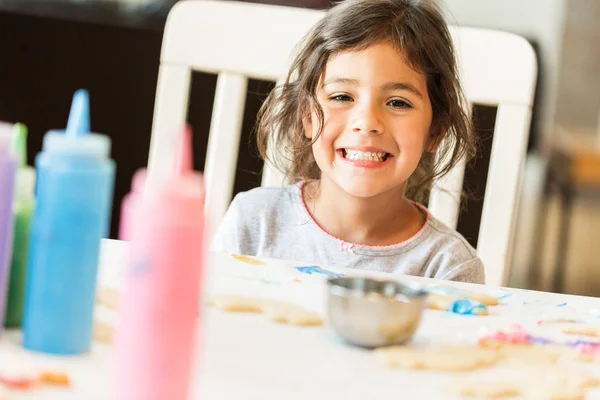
[410,290]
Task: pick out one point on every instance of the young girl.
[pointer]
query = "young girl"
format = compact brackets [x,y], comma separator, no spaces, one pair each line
[370,95]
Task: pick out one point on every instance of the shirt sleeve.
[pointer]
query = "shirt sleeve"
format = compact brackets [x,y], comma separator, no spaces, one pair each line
[470,271]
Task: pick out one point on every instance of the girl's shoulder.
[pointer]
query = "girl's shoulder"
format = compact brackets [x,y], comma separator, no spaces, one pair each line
[267,202]
[265,197]
[253,215]
[448,239]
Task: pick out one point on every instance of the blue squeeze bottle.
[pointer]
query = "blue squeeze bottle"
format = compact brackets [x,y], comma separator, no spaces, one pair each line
[75,179]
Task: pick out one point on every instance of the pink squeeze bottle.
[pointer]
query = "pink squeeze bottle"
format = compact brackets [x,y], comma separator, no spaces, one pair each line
[155,338]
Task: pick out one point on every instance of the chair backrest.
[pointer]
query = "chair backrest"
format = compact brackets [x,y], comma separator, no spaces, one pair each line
[239,41]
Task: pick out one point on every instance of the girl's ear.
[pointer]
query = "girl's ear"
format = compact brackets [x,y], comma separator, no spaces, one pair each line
[435,138]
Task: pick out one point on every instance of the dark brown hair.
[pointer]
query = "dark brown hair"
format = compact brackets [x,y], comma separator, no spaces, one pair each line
[418,30]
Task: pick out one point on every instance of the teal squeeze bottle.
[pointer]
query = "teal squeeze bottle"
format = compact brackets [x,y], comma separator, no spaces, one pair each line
[75,179]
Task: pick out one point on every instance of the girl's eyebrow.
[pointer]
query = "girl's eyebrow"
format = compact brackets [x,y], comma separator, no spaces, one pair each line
[388,87]
[347,81]
[391,86]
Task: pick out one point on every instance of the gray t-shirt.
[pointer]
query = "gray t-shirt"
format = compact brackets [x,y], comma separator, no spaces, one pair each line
[275,223]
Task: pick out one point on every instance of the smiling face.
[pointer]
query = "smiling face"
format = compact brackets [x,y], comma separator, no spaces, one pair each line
[377,116]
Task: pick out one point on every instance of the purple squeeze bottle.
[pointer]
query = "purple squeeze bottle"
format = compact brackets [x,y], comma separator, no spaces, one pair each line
[8,171]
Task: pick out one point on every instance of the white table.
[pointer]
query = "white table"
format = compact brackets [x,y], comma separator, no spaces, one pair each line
[247,357]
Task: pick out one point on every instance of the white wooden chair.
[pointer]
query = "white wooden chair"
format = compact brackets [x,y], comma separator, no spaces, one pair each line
[239,41]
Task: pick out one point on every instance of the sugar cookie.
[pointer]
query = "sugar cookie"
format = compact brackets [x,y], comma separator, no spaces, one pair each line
[581,329]
[556,393]
[524,354]
[103,332]
[564,376]
[491,389]
[442,359]
[485,388]
[288,313]
[233,303]
[109,298]
[276,311]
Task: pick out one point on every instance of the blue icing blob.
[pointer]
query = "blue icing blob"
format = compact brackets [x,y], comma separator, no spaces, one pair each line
[466,307]
[313,269]
[505,296]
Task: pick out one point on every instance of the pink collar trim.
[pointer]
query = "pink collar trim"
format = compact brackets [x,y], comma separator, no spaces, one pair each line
[347,246]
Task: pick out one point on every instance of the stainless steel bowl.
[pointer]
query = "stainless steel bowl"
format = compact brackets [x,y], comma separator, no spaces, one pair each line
[373,313]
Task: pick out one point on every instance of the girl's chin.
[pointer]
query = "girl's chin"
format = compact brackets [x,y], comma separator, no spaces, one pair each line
[363,190]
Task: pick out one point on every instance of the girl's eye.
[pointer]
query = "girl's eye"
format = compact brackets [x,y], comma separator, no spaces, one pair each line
[340,97]
[397,103]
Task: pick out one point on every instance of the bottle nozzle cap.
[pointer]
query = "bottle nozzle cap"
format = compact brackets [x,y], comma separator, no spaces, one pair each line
[182,180]
[6,137]
[79,117]
[77,139]
[185,152]
[20,144]
[25,181]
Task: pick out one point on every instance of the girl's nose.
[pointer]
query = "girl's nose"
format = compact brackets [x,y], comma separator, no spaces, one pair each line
[367,119]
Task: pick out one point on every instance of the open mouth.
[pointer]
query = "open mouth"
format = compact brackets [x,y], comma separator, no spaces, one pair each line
[351,154]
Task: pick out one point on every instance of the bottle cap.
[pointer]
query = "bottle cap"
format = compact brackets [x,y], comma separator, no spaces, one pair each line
[25,183]
[76,139]
[6,137]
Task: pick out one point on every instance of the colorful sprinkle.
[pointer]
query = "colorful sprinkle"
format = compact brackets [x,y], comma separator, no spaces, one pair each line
[505,296]
[561,304]
[516,334]
[269,282]
[467,307]
[139,267]
[248,259]
[55,378]
[18,382]
[313,269]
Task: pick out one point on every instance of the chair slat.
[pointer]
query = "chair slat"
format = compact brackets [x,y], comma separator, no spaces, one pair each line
[224,142]
[170,112]
[500,204]
[445,196]
[271,176]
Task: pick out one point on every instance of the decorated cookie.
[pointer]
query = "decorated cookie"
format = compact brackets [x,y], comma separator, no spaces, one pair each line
[248,259]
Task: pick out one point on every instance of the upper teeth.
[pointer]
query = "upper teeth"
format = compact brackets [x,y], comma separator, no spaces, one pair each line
[365,155]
